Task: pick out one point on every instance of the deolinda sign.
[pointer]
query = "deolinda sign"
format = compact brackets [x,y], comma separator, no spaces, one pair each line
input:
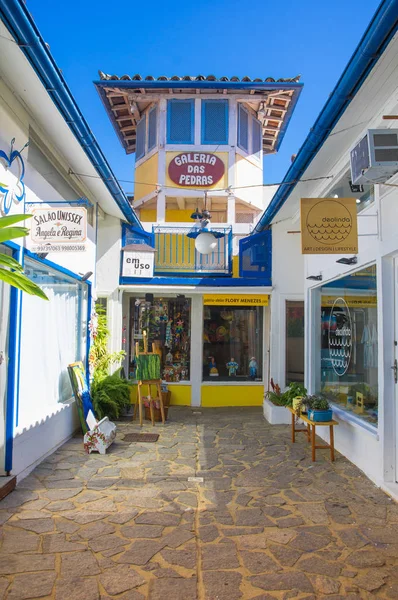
[329,226]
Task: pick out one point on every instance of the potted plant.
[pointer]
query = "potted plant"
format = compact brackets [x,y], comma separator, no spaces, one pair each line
[294,394]
[274,406]
[320,410]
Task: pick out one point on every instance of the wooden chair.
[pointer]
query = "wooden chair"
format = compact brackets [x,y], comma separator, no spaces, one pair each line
[140,357]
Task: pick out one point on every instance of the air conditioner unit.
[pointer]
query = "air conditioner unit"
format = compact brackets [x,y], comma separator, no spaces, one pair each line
[375,158]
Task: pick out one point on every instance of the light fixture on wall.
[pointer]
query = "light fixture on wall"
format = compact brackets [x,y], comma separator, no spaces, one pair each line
[86,275]
[348,261]
[315,277]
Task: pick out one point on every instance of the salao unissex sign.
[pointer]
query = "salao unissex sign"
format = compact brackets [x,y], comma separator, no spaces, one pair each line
[58,230]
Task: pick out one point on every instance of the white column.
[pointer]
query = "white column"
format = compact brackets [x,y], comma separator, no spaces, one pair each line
[161,207]
[196,349]
[231,210]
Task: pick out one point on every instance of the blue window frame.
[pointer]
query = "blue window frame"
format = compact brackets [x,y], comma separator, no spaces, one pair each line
[180,121]
[214,121]
[152,128]
[140,144]
[243,128]
[257,137]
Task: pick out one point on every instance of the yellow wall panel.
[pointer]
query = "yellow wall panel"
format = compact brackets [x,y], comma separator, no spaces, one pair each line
[178,216]
[148,215]
[232,395]
[235,266]
[146,177]
[180,395]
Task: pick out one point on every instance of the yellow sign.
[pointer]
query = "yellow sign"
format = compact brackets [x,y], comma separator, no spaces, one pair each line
[351,301]
[234,300]
[329,226]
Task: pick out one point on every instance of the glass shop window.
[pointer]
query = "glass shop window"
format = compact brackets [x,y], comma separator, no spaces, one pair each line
[167,324]
[349,346]
[233,343]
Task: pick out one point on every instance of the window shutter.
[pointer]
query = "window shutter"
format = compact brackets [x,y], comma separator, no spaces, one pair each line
[243,128]
[257,136]
[214,121]
[140,147]
[180,121]
[152,128]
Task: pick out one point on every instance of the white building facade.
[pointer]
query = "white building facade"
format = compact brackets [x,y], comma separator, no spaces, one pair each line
[44,141]
[357,295]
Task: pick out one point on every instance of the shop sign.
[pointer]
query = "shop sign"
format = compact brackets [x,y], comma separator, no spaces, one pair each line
[340,337]
[196,169]
[137,264]
[329,226]
[58,230]
[351,301]
[235,300]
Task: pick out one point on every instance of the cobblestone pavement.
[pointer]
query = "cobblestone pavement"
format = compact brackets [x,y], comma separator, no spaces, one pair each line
[265,523]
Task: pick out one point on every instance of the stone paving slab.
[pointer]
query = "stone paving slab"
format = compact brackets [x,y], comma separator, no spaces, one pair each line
[259,522]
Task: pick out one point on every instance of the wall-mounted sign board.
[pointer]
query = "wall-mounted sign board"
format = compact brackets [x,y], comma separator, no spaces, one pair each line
[329,226]
[235,300]
[138,260]
[201,169]
[58,229]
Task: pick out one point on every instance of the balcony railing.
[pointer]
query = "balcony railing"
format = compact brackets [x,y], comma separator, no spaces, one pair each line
[176,253]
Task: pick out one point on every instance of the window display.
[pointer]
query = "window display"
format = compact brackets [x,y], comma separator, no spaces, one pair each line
[232,343]
[349,349]
[167,324]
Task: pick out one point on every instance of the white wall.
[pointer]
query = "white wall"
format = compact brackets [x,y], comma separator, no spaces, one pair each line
[287,284]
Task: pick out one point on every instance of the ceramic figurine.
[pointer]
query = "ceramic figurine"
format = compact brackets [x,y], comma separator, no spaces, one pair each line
[213,371]
[253,368]
[232,367]
[169,358]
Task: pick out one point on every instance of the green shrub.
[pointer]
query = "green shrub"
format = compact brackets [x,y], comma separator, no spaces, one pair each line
[109,395]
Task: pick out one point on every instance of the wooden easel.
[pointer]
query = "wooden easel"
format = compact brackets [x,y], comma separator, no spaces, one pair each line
[149,383]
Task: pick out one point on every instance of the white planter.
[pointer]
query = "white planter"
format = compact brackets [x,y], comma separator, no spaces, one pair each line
[276,415]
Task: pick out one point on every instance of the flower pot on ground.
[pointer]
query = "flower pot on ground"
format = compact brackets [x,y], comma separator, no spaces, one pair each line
[110,395]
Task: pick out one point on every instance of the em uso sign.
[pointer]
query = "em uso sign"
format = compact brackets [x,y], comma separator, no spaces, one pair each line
[196,169]
[138,260]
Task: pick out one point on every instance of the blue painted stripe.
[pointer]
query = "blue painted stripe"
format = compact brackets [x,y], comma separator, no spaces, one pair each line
[198,281]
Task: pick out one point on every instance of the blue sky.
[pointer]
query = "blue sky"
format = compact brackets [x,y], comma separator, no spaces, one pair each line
[259,39]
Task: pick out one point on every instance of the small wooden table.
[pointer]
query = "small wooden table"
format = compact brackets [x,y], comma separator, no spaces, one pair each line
[310,432]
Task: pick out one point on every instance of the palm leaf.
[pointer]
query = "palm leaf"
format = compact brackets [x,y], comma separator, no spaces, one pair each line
[20,281]
[10,233]
[10,262]
[12,219]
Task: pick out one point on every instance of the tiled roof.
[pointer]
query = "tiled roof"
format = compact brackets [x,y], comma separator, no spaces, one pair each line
[126,98]
[245,79]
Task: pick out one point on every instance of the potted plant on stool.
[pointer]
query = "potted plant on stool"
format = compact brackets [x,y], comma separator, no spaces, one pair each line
[319,410]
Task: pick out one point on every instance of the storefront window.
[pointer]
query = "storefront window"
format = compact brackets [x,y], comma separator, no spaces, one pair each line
[232,343]
[53,335]
[167,325]
[349,350]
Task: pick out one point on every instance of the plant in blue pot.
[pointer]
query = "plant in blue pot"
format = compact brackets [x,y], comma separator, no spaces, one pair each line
[319,410]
